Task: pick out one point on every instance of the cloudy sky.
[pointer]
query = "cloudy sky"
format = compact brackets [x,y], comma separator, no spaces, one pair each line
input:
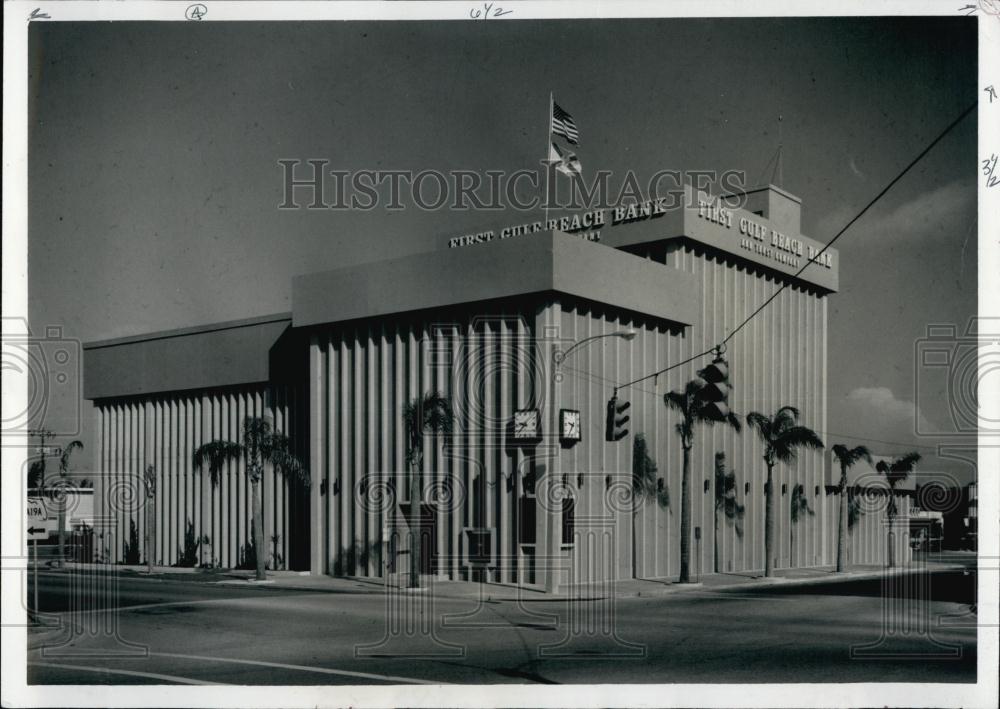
[154,177]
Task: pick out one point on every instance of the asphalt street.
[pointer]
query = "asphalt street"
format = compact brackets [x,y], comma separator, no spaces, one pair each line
[163,631]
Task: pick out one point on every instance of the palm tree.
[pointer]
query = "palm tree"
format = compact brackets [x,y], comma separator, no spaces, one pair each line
[36,471]
[422,415]
[694,410]
[799,506]
[64,455]
[725,503]
[149,485]
[847,457]
[36,475]
[645,485]
[895,472]
[781,436]
[260,446]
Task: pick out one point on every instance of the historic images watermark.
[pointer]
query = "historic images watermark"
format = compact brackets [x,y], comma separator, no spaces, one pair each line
[952,358]
[583,622]
[313,184]
[51,363]
[911,623]
[87,623]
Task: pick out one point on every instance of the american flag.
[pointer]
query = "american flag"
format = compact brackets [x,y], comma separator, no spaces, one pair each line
[562,124]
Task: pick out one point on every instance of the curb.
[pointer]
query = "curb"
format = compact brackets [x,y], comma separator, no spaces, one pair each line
[37,640]
[792,582]
[361,587]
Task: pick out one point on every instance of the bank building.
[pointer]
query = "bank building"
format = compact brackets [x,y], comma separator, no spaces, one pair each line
[527,331]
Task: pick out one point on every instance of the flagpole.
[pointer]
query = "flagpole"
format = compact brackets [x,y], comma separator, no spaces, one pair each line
[780,177]
[548,140]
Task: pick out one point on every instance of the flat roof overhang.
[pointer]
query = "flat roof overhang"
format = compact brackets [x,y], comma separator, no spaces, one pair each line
[247,351]
[539,263]
[218,355]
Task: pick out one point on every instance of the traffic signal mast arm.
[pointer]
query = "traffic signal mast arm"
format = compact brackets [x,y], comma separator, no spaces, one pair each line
[712,397]
[718,349]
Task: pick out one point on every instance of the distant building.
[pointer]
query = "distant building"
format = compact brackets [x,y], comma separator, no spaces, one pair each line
[957,507]
[972,515]
[79,506]
[926,530]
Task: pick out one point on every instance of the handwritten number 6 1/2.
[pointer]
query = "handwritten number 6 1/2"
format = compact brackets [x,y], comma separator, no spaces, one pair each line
[488,11]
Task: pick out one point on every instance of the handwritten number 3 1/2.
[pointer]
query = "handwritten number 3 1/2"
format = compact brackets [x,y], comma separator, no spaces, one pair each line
[488,11]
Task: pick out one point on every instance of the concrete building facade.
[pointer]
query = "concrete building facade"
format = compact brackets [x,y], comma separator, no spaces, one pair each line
[521,329]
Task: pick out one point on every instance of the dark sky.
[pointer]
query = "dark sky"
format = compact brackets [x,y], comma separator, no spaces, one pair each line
[154,147]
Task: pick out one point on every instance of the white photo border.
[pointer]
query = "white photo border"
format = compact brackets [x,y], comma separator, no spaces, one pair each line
[15,691]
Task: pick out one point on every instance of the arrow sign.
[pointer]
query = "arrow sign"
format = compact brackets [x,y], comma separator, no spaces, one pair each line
[36,515]
[36,533]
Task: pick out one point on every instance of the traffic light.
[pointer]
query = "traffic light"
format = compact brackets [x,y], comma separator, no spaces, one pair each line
[617,418]
[717,388]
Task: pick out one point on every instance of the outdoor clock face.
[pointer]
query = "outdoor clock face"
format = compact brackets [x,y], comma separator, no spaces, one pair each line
[526,425]
[569,425]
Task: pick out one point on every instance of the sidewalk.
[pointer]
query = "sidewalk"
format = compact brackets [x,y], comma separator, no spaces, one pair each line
[627,588]
[653,588]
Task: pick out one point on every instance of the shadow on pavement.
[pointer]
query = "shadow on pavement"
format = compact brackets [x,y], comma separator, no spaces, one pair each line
[945,586]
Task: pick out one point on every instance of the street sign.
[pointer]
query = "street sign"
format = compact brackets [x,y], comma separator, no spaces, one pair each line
[35,523]
[35,518]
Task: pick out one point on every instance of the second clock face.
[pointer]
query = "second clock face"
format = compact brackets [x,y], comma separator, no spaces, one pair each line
[569,425]
[526,424]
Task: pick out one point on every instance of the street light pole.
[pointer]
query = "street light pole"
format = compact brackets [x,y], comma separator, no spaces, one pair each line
[559,356]
[554,516]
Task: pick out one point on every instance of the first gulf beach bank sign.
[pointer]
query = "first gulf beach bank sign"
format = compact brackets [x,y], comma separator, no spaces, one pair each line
[764,240]
[587,225]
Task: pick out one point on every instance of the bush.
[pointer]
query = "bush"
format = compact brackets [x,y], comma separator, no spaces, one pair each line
[132,546]
[189,553]
[248,556]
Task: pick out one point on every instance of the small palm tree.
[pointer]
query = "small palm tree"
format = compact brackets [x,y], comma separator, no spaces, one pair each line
[726,504]
[645,485]
[432,414]
[694,410]
[149,486]
[36,475]
[36,471]
[261,446]
[847,457]
[895,472]
[799,506]
[782,436]
[64,455]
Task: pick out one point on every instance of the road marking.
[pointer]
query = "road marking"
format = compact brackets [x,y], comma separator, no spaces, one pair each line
[131,673]
[719,595]
[301,668]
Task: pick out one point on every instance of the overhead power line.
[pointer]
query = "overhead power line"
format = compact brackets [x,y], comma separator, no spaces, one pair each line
[898,444]
[810,262]
[858,216]
[596,378]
